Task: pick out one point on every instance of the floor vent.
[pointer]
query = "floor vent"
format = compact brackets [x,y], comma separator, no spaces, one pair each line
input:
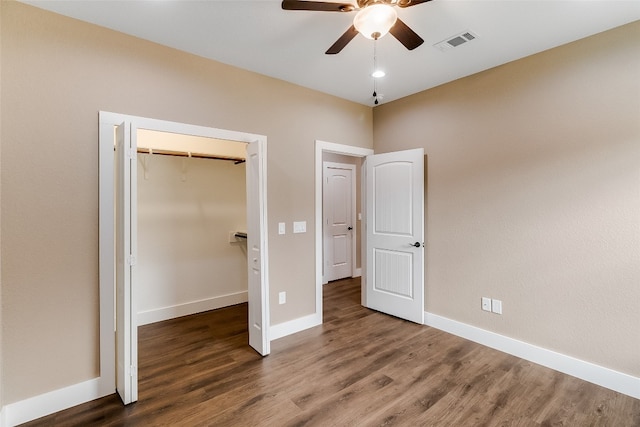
[456,41]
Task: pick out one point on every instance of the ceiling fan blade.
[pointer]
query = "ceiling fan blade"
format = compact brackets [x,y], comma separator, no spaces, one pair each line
[342,41]
[406,35]
[407,3]
[321,6]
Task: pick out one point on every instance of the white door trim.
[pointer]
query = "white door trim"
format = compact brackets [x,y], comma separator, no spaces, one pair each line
[107,121]
[328,147]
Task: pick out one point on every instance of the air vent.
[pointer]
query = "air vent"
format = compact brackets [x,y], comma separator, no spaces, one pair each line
[455,41]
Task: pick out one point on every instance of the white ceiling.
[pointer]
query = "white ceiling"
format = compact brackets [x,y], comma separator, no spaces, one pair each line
[290,45]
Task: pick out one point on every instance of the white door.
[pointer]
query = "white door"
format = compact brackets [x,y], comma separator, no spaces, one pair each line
[126,214]
[338,213]
[256,258]
[395,239]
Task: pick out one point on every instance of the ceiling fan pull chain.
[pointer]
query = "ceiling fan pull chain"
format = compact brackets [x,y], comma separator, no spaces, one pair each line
[375,68]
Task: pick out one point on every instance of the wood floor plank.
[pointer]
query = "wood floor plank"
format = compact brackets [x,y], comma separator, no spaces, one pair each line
[359,368]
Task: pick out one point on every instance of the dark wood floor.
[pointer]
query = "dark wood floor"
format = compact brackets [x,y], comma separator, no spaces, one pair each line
[360,368]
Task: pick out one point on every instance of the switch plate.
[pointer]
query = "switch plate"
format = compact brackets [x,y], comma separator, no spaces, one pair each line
[486,304]
[282,228]
[496,306]
[300,227]
[282,297]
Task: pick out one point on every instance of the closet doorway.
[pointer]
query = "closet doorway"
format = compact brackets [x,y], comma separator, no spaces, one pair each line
[192,223]
[119,230]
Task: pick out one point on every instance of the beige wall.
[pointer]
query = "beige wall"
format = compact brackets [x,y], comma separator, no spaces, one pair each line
[533,196]
[58,73]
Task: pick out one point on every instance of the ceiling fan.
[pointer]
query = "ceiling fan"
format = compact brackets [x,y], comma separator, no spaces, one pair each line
[375,18]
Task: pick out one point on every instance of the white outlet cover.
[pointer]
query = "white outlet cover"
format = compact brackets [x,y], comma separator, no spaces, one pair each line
[496,306]
[282,297]
[282,228]
[300,227]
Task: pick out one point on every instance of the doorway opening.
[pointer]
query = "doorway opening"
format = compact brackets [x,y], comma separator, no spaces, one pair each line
[331,152]
[118,230]
[192,214]
[392,241]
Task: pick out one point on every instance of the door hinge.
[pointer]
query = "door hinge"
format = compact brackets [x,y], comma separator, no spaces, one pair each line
[131,153]
[131,260]
[132,370]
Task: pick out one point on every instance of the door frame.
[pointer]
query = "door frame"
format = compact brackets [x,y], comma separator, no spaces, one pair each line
[352,203]
[347,150]
[107,122]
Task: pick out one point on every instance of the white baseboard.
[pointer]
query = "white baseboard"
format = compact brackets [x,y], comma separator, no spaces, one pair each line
[49,403]
[605,377]
[291,327]
[193,307]
[2,421]
[357,272]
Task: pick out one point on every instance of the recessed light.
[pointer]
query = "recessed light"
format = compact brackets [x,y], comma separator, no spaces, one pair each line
[378,73]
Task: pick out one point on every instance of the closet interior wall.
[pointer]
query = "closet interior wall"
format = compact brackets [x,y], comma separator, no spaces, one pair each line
[188,258]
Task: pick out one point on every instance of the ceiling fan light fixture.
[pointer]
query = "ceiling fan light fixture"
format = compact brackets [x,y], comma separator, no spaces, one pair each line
[375,21]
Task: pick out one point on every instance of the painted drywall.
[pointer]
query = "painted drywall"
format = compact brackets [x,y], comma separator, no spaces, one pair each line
[57,74]
[186,209]
[357,161]
[533,196]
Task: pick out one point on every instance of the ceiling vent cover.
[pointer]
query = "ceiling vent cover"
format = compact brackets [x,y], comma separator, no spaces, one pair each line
[455,41]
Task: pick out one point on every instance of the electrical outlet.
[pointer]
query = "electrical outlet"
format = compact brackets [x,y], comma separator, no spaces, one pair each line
[282,297]
[496,306]
[300,227]
[486,304]
[282,228]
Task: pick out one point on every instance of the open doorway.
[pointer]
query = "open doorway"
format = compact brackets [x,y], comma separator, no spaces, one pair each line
[192,252]
[345,154]
[118,229]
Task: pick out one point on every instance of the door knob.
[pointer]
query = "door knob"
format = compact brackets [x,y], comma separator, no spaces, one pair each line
[416,244]
[349,228]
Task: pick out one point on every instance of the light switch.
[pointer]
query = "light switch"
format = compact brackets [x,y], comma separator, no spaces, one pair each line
[282,228]
[300,227]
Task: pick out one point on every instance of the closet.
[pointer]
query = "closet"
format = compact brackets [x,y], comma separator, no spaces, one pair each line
[192,207]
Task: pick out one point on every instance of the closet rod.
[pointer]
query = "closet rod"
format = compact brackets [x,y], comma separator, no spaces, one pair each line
[236,160]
